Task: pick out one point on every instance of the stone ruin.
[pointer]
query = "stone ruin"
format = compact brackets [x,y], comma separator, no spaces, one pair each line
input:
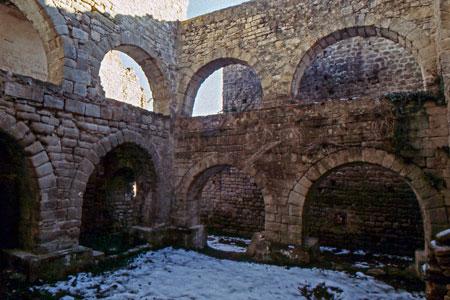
[335,128]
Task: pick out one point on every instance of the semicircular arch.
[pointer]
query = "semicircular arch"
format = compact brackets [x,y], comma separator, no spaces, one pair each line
[44,19]
[41,173]
[431,202]
[149,60]
[198,174]
[105,146]
[196,78]
[330,38]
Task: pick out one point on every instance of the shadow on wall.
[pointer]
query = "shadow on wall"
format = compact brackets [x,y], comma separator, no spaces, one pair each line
[19,198]
[121,193]
[358,67]
[46,51]
[232,204]
[364,206]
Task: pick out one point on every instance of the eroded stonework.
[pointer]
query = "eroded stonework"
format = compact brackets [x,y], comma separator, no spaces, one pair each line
[66,127]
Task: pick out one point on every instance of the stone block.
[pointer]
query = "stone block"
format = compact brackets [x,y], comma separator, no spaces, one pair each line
[44,170]
[80,34]
[53,102]
[92,110]
[75,106]
[47,182]
[34,93]
[42,128]
[80,89]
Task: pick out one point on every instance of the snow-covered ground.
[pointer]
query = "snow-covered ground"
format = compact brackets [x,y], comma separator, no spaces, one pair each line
[179,274]
[229,244]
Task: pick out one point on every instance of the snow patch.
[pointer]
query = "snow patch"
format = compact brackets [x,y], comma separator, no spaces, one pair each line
[179,274]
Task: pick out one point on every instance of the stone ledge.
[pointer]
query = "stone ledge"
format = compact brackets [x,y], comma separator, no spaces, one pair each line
[191,238]
[51,266]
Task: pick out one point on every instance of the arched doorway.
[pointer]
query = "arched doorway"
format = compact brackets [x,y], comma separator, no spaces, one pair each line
[229,203]
[362,206]
[121,193]
[17,194]
[131,75]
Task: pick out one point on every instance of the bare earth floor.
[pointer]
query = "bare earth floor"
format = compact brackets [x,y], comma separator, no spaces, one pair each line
[178,274]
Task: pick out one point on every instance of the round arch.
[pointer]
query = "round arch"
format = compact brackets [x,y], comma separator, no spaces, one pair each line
[200,76]
[142,53]
[362,31]
[103,147]
[197,176]
[44,19]
[41,173]
[431,202]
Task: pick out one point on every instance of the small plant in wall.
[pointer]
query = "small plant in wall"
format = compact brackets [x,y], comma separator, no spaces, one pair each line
[406,107]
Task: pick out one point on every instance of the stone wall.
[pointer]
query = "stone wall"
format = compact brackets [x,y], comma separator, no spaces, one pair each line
[241,89]
[365,207]
[76,36]
[279,39]
[170,10]
[21,49]
[286,149]
[359,67]
[65,136]
[231,203]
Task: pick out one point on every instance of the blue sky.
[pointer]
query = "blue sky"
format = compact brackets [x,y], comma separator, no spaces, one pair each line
[209,96]
[201,7]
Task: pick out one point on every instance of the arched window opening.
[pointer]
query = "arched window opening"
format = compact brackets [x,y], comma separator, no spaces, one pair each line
[21,48]
[17,195]
[222,86]
[359,67]
[364,207]
[121,193]
[209,96]
[123,79]
[231,206]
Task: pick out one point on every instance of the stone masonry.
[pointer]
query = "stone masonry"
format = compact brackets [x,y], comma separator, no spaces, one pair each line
[231,203]
[241,89]
[364,207]
[360,67]
[65,128]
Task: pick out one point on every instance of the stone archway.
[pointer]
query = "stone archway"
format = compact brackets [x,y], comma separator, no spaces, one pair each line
[152,69]
[199,77]
[100,150]
[431,203]
[227,200]
[363,206]
[120,193]
[34,179]
[44,22]
[346,33]
[192,183]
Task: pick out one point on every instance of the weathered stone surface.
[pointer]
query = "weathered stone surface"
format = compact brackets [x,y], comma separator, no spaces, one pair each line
[69,128]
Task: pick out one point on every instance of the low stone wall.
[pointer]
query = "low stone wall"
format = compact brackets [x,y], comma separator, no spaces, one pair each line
[365,207]
[231,203]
